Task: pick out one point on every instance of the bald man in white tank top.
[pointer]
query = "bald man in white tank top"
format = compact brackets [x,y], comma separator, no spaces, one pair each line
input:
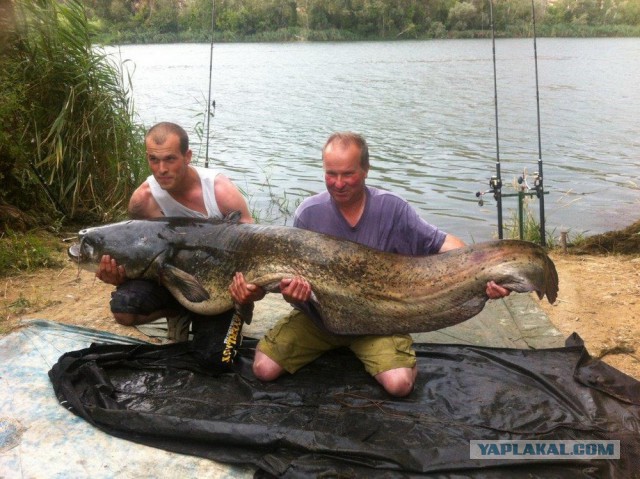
[175,188]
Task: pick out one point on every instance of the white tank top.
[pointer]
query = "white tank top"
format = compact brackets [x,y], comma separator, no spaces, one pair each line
[170,207]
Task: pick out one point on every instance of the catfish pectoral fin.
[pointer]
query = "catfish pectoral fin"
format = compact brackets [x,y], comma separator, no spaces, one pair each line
[187,284]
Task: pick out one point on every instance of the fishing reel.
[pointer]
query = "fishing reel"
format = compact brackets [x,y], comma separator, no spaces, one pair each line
[495,185]
[537,183]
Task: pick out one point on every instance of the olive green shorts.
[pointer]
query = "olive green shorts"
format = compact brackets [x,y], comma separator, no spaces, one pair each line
[295,341]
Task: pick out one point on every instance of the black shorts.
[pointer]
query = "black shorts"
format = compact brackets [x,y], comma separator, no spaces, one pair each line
[215,338]
[142,296]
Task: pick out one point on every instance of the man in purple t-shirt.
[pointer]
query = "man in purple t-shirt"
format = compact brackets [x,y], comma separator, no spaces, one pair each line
[351,210]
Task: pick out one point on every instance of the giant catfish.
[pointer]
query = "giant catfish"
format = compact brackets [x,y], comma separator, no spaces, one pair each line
[356,289]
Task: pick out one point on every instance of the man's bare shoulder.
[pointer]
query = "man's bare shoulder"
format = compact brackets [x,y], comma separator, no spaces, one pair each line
[230,199]
[142,205]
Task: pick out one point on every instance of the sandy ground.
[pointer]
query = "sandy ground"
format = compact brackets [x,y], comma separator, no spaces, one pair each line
[599,299]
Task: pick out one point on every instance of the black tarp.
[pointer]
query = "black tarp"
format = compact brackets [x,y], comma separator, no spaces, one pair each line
[332,419]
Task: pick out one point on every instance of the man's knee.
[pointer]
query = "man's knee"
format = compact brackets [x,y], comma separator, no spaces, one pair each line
[125,319]
[265,368]
[131,319]
[139,301]
[398,382]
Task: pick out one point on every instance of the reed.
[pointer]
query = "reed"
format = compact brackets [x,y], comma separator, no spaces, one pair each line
[78,138]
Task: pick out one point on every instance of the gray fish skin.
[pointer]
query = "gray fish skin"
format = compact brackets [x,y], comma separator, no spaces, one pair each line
[357,290]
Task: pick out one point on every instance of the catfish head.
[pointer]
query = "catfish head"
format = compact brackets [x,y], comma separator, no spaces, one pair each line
[133,244]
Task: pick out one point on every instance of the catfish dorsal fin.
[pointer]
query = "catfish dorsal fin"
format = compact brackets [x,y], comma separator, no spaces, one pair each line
[233,217]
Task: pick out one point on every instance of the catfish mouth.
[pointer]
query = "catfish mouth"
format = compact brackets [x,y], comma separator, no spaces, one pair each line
[74,252]
[77,251]
[81,253]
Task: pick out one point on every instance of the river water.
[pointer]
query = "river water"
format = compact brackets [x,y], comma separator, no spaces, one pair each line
[427,110]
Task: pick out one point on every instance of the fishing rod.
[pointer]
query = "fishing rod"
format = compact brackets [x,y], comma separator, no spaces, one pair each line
[495,183]
[539,186]
[209,102]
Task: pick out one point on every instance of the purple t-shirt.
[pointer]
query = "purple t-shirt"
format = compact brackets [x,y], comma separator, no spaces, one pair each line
[388,223]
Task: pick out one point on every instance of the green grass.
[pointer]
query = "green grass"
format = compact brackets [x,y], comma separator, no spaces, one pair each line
[19,306]
[29,251]
[531,227]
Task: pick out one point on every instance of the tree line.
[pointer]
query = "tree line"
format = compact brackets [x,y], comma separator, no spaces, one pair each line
[69,143]
[140,21]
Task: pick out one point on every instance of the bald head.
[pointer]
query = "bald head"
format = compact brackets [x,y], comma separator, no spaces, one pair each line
[158,134]
[344,140]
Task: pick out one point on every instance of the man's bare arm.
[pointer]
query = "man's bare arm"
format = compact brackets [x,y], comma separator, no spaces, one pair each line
[230,199]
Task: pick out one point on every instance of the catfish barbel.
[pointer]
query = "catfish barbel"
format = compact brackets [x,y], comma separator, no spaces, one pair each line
[356,289]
